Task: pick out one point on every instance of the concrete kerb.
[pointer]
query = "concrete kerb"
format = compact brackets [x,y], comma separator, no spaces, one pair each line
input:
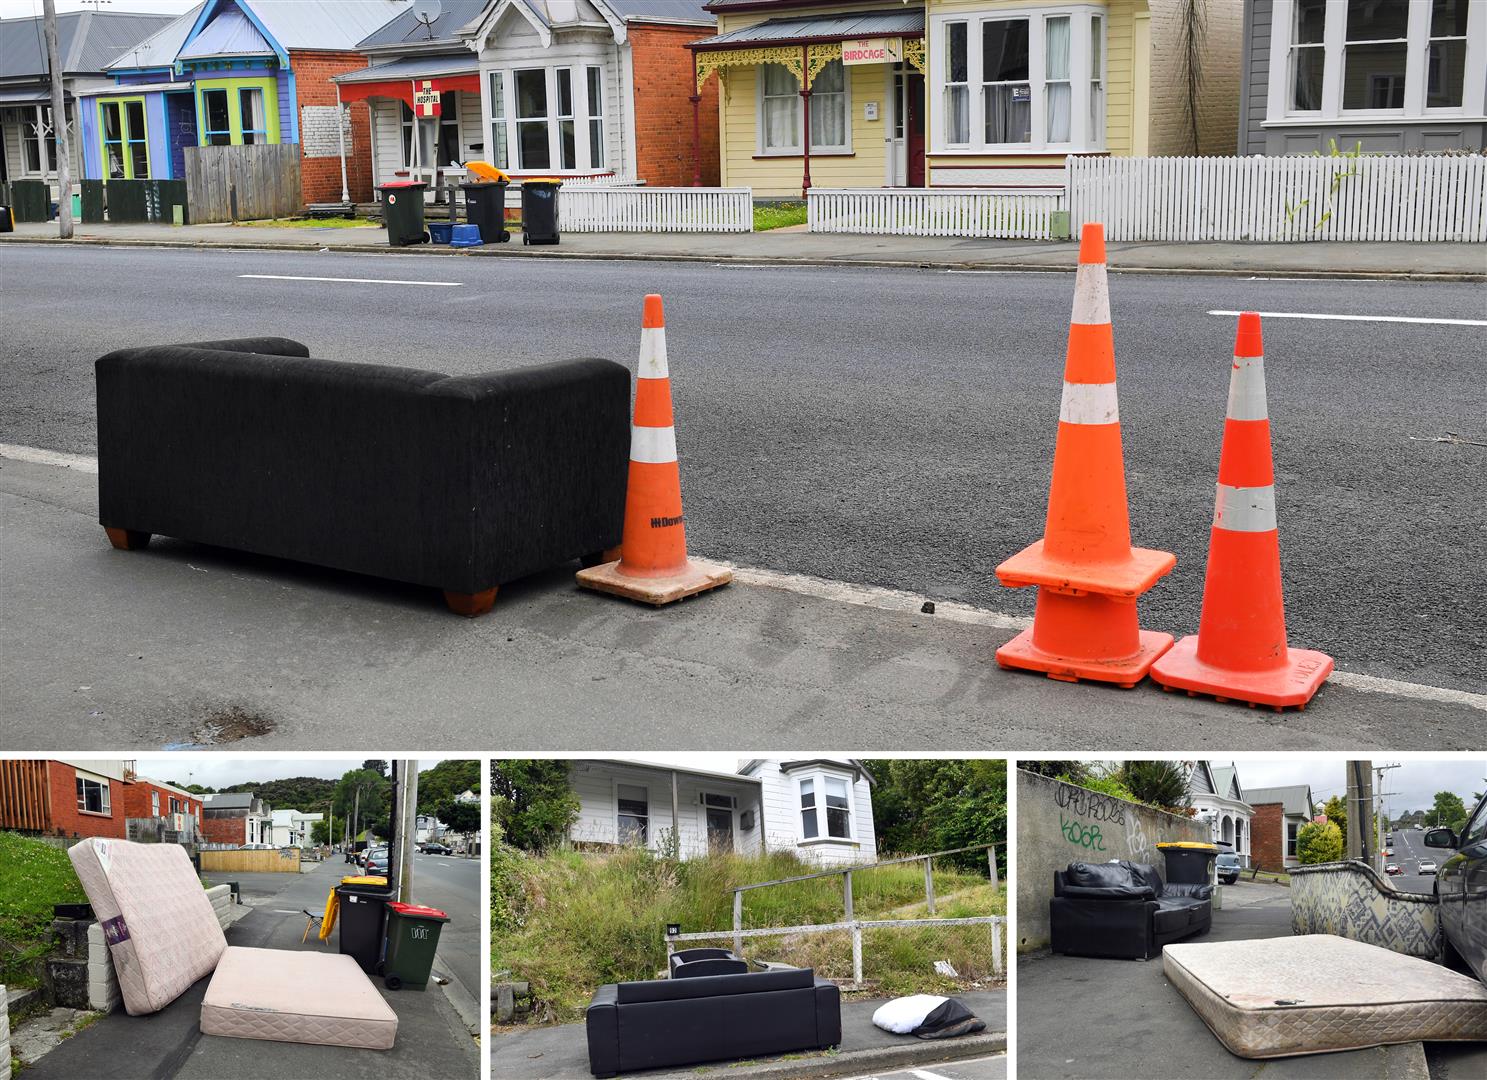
[460,999]
[504,251]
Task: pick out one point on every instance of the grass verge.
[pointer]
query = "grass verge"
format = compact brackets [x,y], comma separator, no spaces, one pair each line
[778,216]
[36,877]
[310,223]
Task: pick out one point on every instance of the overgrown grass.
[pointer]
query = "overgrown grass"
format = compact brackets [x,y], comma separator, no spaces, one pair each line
[778,216]
[36,876]
[567,922]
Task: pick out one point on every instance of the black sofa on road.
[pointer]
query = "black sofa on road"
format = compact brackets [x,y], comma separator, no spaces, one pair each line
[1124,910]
[678,1022]
[459,483]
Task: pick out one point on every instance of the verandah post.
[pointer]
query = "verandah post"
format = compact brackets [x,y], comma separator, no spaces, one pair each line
[805,136]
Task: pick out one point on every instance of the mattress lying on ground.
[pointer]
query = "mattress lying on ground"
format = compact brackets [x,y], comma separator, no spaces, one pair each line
[161,930]
[303,997]
[1275,997]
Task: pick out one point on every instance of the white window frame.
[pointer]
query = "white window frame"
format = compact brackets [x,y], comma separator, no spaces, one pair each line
[1293,835]
[1278,112]
[1082,23]
[81,790]
[591,117]
[704,806]
[818,779]
[154,804]
[650,812]
[817,150]
[504,112]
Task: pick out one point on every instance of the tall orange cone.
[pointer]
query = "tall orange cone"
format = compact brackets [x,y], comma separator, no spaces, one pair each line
[1240,650]
[653,566]
[1087,573]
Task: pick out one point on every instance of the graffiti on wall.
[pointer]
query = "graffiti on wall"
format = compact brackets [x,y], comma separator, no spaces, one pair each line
[1096,810]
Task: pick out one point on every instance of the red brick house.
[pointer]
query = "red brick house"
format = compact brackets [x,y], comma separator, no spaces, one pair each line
[146,798]
[64,798]
[236,819]
[1279,813]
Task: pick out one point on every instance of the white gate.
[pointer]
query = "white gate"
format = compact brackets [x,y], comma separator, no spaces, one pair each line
[648,209]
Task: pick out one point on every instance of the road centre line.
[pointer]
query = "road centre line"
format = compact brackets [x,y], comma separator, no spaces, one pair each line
[883,599]
[351,280]
[1359,318]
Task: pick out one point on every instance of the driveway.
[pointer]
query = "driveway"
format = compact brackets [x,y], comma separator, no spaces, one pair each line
[431,1042]
[1088,1018]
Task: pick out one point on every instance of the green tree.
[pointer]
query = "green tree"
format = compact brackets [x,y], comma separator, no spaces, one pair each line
[319,832]
[445,781]
[1449,811]
[1336,809]
[922,805]
[461,817]
[376,796]
[376,765]
[1318,843]
[1162,784]
[1073,772]
[532,802]
[304,793]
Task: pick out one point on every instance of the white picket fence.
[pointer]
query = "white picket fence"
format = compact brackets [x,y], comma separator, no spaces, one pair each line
[932,212]
[647,209]
[1270,199]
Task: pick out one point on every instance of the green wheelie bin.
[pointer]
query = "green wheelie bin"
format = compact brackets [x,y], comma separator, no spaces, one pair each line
[402,208]
[412,940]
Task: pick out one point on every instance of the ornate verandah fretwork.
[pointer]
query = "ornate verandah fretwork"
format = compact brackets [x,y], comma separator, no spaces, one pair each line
[820,56]
[914,53]
[715,60]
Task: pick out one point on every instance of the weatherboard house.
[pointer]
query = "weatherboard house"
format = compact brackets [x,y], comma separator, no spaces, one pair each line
[821,808]
[235,72]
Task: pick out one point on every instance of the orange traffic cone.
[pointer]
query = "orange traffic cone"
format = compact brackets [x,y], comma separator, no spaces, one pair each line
[653,566]
[1088,575]
[1240,649]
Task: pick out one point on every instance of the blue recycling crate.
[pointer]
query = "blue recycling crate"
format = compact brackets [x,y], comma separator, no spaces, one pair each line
[465,236]
[439,232]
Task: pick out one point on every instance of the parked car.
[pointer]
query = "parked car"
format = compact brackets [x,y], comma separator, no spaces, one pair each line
[1461,888]
[436,849]
[1389,852]
[1392,869]
[1427,866]
[1228,867]
[377,861]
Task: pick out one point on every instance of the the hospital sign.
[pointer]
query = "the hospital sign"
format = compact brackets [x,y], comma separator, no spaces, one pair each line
[873,51]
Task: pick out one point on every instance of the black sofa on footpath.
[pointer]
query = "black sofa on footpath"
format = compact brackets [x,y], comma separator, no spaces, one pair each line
[1124,910]
[459,483]
[679,1022]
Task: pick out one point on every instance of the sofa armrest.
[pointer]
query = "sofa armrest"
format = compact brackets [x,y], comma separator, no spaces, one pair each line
[602,1024]
[828,1013]
[1198,891]
[1109,892]
[267,346]
[715,965]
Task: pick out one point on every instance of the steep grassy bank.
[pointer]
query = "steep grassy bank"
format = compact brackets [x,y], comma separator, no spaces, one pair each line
[34,876]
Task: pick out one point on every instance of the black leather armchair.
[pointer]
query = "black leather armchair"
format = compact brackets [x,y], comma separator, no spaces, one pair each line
[460,483]
[686,1021]
[1123,910]
[689,963]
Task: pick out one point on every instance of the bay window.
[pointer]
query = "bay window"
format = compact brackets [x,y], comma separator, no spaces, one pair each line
[1041,76]
[782,110]
[825,808]
[547,119]
[1368,59]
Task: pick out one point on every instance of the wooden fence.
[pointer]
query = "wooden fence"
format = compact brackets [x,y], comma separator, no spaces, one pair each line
[584,208]
[245,861]
[1270,199]
[933,212]
[243,183]
[25,796]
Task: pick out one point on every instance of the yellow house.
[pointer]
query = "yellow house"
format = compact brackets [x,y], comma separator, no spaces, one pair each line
[964,93]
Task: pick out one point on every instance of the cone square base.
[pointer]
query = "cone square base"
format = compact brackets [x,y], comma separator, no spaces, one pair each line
[1291,686]
[1130,578]
[696,577]
[1125,672]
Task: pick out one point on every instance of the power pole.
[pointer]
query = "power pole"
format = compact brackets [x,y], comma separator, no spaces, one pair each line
[59,124]
[1382,818]
[1360,810]
[407,829]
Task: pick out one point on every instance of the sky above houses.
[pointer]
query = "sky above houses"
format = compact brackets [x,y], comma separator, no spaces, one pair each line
[220,772]
[1412,786]
[25,9]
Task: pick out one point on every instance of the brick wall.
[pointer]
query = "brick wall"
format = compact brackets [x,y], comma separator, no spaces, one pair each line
[320,177]
[137,800]
[67,820]
[225,830]
[1268,837]
[663,112]
[1218,103]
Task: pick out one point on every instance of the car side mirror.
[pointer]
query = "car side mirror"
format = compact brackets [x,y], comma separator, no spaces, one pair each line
[1441,838]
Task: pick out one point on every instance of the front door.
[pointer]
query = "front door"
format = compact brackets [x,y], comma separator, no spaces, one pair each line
[719,831]
[914,129]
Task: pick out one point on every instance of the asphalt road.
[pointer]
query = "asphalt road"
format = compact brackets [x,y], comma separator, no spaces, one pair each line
[895,427]
[987,1068]
[453,886]
[1409,851]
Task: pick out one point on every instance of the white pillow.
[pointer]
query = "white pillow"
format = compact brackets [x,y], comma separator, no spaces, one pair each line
[902,1015]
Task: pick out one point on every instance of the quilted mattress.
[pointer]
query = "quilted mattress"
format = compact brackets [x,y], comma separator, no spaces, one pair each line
[161,930]
[1275,997]
[303,997]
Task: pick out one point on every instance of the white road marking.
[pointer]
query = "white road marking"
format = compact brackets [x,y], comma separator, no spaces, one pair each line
[49,457]
[352,280]
[1359,318]
[925,1074]
[882,599]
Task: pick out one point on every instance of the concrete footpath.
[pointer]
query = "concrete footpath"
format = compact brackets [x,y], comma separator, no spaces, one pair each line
[560,1052]
[182,646]
[1423,261]
[432,1042]
[1082,1018]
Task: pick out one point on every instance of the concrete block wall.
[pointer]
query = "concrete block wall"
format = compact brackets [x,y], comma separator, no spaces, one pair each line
[103,986]
[1222,54]
[1060,823]
[221,898]
[4,1035]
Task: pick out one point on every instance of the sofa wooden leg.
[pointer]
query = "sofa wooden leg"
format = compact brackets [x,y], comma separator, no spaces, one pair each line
[470,604]
[127,539]
[599,558]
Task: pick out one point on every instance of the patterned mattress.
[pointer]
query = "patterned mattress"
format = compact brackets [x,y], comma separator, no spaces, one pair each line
[161,930]
[304,997]
[1274,997]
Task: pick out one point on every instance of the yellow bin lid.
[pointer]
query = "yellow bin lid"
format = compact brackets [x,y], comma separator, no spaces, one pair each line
[1188,844]
[364,880]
